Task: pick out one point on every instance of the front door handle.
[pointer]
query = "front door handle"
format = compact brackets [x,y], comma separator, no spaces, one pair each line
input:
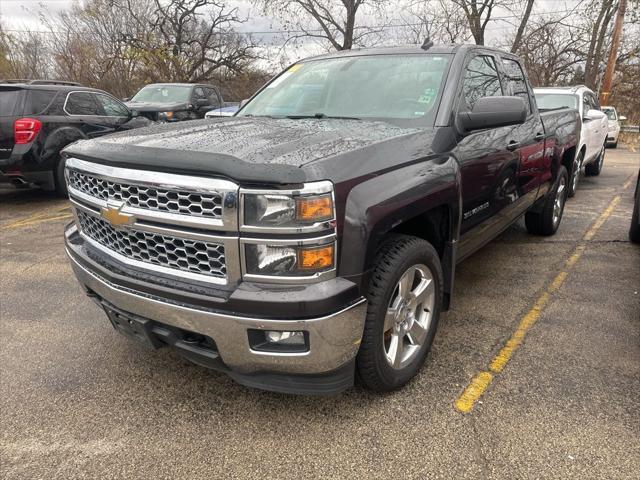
[539,136]
[513,146]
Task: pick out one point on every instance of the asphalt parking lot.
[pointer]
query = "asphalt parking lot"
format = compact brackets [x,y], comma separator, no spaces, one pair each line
[79,401]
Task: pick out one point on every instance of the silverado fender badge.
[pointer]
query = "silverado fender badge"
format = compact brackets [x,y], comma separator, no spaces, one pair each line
[115,217]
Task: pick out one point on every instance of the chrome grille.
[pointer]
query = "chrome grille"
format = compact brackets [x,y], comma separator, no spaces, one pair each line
[204,258]
[176,201]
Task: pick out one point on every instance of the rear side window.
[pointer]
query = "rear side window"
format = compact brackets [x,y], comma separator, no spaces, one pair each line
[480,80]
[82,103]
[10,101]
[516,81]
[39,101]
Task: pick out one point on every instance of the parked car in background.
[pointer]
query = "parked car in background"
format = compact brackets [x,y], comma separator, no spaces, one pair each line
[228,111]
[173,102]
[38,118]
[317,232]
[614,125]
[595,127]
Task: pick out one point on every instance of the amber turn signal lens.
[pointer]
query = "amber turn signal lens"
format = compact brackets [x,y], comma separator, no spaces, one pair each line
[314,209]
[315,258]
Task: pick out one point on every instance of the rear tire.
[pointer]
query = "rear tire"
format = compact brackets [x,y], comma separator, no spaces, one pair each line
[614,145]
[60,181]
[405,298]
[547,221]
[593,169]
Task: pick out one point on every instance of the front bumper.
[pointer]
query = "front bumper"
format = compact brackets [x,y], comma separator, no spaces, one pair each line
[334,338]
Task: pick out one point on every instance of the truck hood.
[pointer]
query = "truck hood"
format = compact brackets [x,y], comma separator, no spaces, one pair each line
[262,150]
[155,106]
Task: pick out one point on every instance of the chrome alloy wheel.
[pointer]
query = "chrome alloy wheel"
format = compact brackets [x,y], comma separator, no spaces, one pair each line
[558,203]
[408,316]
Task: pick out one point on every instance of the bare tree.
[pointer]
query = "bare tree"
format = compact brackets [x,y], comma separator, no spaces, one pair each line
[551,52]
[190,39]
[440,20]
[522,26]
[23,55]
[595,54]
[332,21]
[478,13]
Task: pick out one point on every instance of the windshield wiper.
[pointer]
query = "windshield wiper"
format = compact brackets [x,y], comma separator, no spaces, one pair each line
[320,115]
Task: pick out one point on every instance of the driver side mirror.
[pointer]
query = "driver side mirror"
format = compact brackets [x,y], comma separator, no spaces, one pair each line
[244,102]
[493,112]
[126,99]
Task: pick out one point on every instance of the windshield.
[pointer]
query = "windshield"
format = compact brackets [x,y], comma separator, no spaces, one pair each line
[163,94]
[377,86]
[611,113]
[550,101]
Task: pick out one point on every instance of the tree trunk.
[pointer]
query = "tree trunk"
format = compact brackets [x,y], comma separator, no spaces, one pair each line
[521,28]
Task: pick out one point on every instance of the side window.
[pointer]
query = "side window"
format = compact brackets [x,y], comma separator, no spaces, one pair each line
[112,107]
[40,101]
[198,94]
[480,80]
[214,100]
[82,103]
[516,81]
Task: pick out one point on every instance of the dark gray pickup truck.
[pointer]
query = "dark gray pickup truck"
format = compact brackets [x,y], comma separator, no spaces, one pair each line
[316,233]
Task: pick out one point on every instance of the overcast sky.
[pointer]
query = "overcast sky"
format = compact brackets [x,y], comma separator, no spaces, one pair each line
[23,14]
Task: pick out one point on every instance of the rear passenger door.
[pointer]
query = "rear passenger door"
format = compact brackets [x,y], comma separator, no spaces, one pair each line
[529,135]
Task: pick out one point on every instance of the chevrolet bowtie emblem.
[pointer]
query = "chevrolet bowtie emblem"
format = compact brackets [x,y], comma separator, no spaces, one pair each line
[115,217]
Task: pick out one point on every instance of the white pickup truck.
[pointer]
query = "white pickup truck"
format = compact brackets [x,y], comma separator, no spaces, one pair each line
[595,126]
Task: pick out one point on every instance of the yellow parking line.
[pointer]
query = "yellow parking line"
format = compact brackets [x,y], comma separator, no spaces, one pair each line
[629,180]
[481,381]
[39,218]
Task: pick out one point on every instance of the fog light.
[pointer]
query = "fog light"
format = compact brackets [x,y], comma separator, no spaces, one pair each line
[278,341]
[285,338]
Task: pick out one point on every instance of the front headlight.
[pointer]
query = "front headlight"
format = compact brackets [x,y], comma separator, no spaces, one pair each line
[307,209]
[289,260]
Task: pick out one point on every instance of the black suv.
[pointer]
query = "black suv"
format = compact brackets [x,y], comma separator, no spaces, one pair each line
[172,102]
[38,118]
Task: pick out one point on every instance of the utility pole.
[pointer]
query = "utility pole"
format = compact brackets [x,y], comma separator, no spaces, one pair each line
[613,53]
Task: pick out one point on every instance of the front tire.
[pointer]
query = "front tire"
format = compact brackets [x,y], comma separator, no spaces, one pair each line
[547,221]
[405,298]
